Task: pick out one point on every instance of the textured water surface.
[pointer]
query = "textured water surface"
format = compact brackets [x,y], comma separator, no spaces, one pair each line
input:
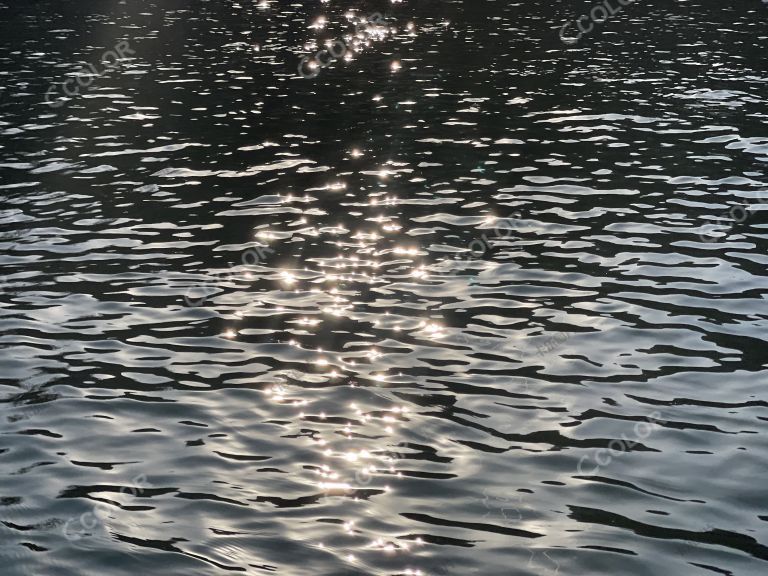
[469,299]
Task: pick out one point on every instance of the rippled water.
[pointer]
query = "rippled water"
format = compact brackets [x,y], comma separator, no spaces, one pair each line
[474,300]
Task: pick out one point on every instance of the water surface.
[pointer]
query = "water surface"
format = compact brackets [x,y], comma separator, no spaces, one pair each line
[472,301]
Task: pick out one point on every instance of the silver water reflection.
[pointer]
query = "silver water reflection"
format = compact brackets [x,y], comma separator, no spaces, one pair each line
[485,259]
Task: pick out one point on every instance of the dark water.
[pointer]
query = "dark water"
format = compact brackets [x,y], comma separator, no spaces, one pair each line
[501,310]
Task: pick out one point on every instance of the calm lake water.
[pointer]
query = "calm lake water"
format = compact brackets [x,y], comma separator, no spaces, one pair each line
[485,293]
